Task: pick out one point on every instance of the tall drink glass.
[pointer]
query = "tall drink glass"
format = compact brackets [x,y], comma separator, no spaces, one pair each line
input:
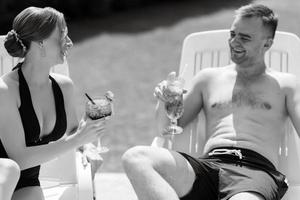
[98,108]
[174,105]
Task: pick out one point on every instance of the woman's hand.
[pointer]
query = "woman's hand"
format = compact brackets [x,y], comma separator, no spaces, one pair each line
[89,130]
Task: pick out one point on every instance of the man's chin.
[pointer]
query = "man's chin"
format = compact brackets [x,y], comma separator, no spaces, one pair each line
[237,60]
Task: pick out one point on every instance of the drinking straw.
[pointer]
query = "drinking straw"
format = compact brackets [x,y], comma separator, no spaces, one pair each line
[90,98]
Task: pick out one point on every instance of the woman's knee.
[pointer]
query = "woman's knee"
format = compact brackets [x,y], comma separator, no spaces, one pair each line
[10,170]
[9,176]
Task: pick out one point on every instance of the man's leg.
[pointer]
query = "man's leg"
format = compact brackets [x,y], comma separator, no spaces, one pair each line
[247,196]
[157,173]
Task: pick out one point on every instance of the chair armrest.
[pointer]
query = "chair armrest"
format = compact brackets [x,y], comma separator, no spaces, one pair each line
[85,185]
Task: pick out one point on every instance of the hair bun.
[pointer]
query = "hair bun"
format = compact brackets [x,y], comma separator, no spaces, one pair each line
[14,45]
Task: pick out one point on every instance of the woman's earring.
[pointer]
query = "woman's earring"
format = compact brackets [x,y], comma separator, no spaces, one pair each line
[43,51]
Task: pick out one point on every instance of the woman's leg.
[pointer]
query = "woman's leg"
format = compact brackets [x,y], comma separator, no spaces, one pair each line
[9,176]
[29,193]
[157,173]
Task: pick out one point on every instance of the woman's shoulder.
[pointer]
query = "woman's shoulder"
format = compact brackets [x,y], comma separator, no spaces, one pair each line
[9,82]
[8,89]
[63,81]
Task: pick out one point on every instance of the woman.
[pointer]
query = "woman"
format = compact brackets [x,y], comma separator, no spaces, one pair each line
[37,112]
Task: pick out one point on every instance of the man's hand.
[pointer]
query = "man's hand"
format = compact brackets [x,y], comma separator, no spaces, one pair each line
[167,92]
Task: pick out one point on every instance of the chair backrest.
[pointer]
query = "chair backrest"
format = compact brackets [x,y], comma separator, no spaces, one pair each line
[65,171]
[211,49]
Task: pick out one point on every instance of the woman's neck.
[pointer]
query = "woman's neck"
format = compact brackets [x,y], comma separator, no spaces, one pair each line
[36,73]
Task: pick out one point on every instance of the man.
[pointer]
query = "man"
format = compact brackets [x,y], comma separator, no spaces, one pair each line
[246,106]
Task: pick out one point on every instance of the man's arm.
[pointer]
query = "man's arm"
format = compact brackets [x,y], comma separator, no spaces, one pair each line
[293,101]
[193,100]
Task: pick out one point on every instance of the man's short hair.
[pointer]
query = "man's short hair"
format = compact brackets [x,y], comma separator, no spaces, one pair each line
[269,19]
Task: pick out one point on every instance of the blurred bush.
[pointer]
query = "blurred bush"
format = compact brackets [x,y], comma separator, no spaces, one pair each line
[71,8]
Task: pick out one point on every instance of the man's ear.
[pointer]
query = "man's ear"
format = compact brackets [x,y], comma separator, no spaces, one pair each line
[268,43]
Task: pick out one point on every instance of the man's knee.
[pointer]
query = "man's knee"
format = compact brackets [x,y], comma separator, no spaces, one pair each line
[9,170]
[135,157]
[247,196]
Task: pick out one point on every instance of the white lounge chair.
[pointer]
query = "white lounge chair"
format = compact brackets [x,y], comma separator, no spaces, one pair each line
[210,49]
[63,178]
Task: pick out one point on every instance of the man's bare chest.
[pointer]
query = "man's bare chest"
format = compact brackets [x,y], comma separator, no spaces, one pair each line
[231,95]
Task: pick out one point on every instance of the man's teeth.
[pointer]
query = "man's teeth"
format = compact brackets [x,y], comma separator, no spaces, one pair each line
[238,51]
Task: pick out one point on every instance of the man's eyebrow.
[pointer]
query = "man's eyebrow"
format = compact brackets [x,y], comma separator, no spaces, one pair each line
[241,34]
[245,35]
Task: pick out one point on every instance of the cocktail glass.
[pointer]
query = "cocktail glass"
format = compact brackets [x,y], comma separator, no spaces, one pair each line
[97,108]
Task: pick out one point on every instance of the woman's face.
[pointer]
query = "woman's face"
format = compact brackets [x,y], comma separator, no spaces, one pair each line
[57,45]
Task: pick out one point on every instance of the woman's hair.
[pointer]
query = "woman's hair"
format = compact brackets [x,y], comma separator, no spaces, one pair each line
[32,24]
[269,19]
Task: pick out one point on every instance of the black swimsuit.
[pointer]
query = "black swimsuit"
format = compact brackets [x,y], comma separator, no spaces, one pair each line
[29,177]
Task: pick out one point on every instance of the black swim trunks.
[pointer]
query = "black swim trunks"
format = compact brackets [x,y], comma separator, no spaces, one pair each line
[227,171]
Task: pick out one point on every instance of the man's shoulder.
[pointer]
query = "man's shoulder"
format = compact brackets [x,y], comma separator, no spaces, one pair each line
[283,78]
[213,70]
[210,73]
[279,74]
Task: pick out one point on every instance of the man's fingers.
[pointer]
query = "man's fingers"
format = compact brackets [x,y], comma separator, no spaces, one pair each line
[159,94]
[171,76]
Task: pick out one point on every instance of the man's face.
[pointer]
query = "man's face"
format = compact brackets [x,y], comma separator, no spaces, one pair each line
[248,42]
